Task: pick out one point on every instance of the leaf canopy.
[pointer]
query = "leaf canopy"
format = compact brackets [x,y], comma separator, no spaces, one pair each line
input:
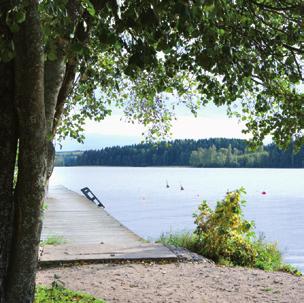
[136,53]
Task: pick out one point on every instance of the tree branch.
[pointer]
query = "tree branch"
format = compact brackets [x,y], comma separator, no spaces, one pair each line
[81,36]
[67,84]
[295,49]
[297,64]
[274,8]
[53,78]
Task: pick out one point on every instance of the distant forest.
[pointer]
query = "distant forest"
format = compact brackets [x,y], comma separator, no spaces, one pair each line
[217,152]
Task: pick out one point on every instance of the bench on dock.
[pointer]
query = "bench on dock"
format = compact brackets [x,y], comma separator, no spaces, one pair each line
[89,194]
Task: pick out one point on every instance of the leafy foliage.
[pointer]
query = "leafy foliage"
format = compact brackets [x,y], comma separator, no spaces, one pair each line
[223,233]
[268,255]
[133,54]
[224,236]
[62,295]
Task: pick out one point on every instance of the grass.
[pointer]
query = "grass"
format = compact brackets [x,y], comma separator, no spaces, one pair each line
[62,295]
[184,239]
[53,240]
[268,257]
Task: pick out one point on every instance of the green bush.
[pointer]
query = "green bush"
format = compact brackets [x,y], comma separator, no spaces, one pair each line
[269,258]
[224,236]
[268,255]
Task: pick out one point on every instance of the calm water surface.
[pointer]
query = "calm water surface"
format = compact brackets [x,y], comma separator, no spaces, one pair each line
[138,197]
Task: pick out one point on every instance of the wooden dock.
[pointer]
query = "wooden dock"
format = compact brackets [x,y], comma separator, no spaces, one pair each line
[90,233]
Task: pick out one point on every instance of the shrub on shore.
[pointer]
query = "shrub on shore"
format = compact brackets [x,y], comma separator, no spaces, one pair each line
[224,236]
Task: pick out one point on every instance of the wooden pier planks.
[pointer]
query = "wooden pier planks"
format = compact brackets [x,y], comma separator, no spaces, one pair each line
[91,233]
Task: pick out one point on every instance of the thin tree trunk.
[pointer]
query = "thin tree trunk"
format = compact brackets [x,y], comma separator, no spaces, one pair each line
[53,77]
[54,72]
[30,188]
[8,146]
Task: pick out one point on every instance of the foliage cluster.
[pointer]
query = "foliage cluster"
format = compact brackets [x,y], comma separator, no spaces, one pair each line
[224,236]
[199,51]
[214,152]
[135,53]
[58,294]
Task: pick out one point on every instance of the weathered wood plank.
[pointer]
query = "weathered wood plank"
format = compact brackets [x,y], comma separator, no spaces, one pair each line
[91,233]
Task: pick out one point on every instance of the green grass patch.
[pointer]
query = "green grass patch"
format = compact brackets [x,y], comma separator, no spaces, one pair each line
[183,239]
[62,295]
[268,257]
[54,240]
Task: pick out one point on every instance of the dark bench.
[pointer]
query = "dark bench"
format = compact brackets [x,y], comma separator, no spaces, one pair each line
[88,193]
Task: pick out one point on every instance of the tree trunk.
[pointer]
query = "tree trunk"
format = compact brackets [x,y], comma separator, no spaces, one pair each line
[54,72]
[53,77]
[30,188]
[8,146]
[36,91]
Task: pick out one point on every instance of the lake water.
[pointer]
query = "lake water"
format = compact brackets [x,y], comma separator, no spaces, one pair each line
[139,198]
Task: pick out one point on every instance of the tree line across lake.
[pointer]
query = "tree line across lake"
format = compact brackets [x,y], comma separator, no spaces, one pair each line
[215,152]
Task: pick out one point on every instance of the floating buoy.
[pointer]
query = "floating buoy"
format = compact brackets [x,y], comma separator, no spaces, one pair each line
[263,193]
[181,188]
[167,185]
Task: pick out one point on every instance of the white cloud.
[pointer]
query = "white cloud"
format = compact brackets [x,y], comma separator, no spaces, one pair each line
[114,126]
[183,127]
[201,127]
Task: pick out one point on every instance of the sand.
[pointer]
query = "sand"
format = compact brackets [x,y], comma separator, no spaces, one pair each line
[194,282]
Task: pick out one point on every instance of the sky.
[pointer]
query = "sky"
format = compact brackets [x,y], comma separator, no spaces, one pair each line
[211,122]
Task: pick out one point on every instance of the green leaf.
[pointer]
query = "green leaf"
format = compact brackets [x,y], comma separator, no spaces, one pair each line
[91,10]
[89,7]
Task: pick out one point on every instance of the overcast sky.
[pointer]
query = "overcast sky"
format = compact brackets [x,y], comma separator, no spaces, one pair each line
[211,122]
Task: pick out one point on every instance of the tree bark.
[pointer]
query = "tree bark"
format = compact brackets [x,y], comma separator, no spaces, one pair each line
[8,146]
[30,188]
[54,73]
[39,90]
[53,76]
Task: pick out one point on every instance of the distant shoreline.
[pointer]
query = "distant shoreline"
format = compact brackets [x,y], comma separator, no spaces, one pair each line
[211,153]
[169,166]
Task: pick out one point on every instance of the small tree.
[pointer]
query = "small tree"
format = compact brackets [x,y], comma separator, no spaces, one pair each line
[223,234]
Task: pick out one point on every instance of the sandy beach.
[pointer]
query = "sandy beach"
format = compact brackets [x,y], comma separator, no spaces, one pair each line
[193,282]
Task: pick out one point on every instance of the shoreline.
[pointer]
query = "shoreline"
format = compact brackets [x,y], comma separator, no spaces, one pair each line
[194,167]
